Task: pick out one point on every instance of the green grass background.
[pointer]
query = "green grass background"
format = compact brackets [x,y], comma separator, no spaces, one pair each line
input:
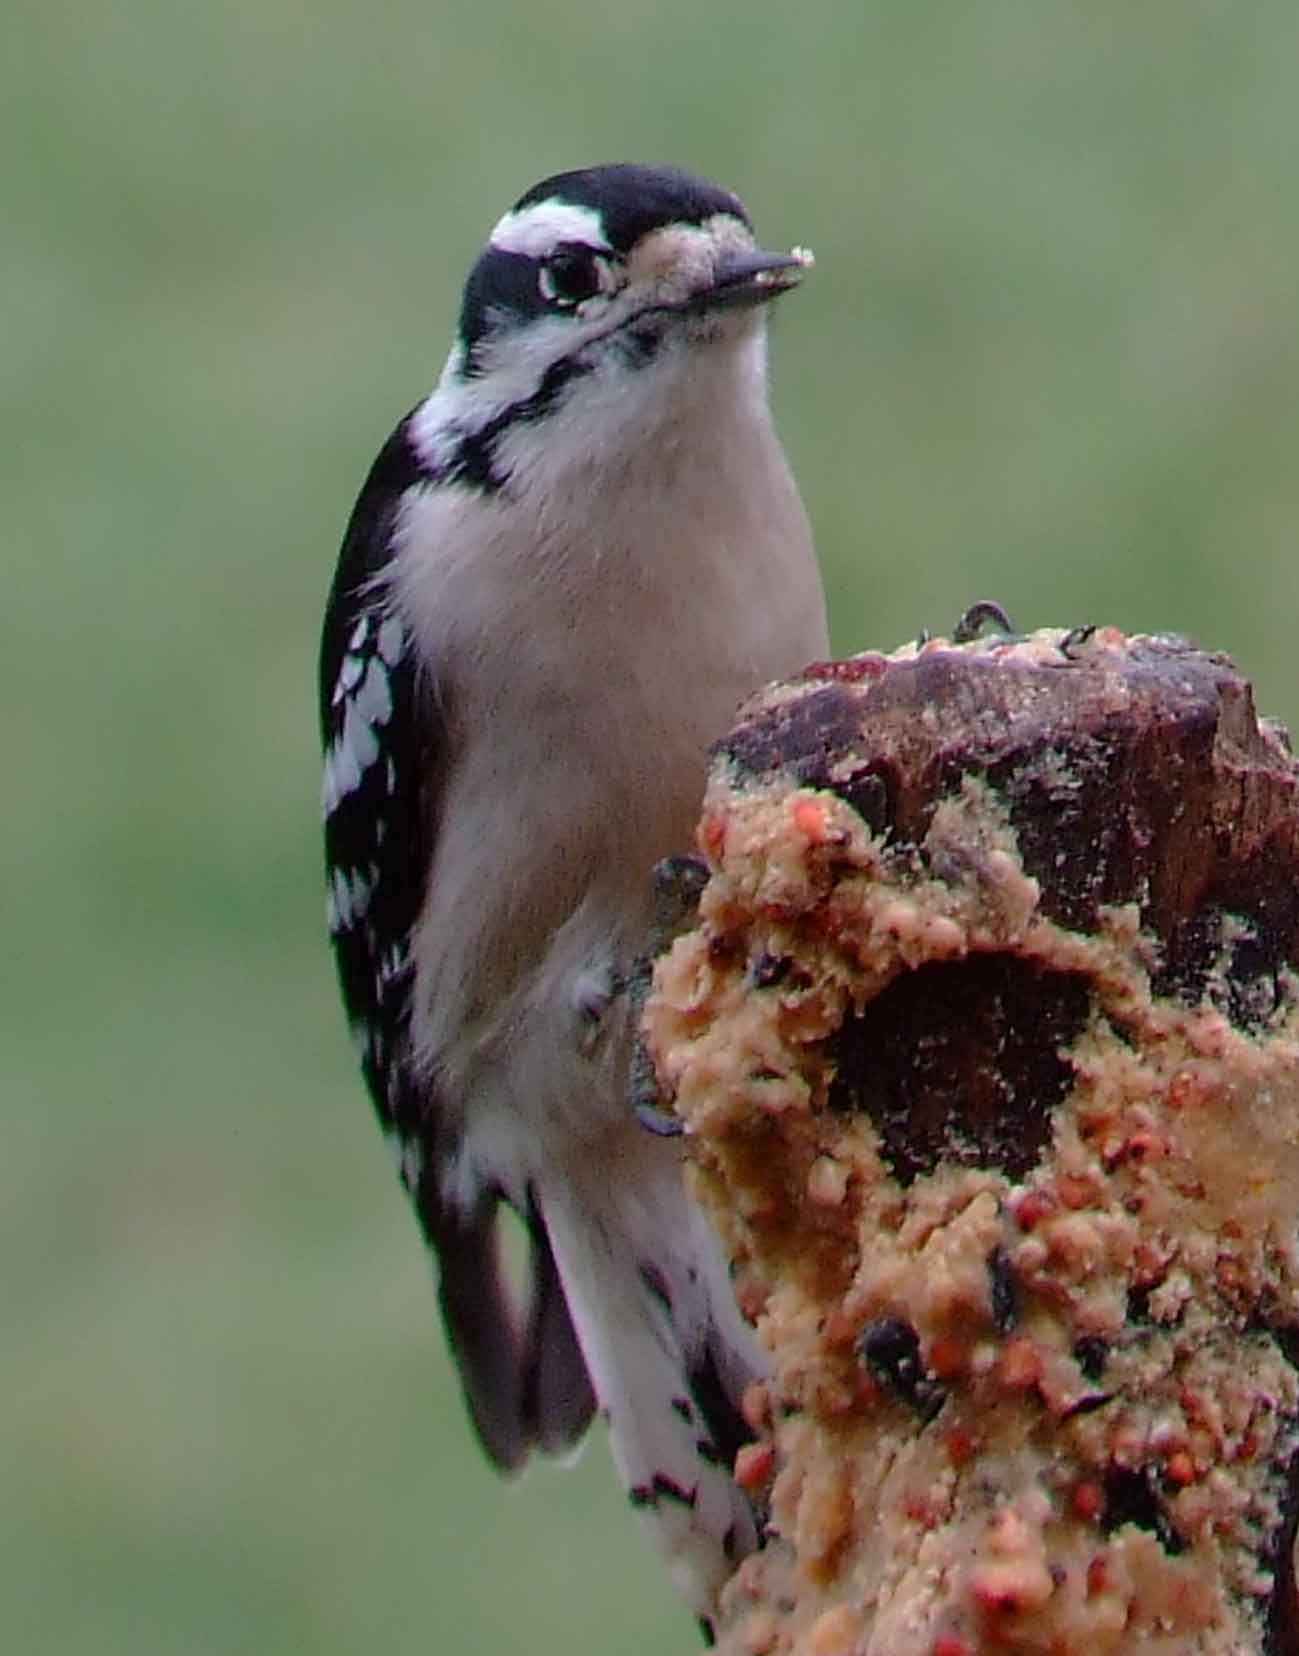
[1050,354]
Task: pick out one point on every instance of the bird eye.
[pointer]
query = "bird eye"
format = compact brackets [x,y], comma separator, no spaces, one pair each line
[571,275]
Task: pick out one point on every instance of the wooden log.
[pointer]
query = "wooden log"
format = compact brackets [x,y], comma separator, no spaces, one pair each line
[986,1043]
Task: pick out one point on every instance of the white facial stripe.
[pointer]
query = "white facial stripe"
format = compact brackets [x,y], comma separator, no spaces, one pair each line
[511,370]
[540,228]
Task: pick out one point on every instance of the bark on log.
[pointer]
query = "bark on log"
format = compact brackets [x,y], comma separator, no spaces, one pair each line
[987,1046]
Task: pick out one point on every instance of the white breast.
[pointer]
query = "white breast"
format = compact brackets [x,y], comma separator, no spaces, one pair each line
[592,636]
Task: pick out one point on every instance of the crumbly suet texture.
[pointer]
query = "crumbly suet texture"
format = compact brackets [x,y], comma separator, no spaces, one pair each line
[1033,1396]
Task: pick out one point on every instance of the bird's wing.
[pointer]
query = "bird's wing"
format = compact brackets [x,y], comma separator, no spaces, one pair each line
[525,1381]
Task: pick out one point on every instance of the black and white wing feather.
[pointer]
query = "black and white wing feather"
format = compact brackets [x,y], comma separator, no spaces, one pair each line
[384,748]
[380,750]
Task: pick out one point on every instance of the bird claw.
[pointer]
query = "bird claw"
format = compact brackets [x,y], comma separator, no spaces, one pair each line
[985,613]
[678,883]
[657,1121]
[1075,638]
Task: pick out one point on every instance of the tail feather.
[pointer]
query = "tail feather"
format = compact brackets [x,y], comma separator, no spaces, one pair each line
[630,1307]
[558,1400]
[669,1355]
[483,1330]
[525,1384]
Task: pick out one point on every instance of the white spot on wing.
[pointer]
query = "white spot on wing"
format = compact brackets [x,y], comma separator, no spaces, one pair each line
[359,744]
[361,890]
[348,674]
[392,640]
[347,898]
[339,902]
[373,701]
[342,775]
[365,687]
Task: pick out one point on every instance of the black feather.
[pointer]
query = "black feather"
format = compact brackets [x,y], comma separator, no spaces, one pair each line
[524,1383]
[377,829]
[632,200]
[473,458]
[558,1401]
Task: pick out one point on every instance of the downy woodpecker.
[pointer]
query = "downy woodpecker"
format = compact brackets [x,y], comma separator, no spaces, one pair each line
[566,568]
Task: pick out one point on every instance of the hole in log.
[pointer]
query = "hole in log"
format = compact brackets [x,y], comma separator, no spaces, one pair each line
[1130,1498]
[962,1061]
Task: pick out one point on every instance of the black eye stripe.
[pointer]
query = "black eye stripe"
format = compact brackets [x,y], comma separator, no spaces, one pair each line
[500,283]
[508,289]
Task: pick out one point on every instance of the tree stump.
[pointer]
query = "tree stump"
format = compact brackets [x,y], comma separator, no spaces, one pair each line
[986,1044]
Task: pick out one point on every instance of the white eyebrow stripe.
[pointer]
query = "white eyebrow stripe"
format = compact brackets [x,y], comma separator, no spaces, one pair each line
[540,228]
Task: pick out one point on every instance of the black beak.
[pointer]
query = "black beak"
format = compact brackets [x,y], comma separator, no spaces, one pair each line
[751,279]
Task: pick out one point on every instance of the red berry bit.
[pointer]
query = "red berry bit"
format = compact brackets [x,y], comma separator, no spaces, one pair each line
[753,1465]
[958,1445]
[1032,1207]
[1019,1368]
[1179,1468]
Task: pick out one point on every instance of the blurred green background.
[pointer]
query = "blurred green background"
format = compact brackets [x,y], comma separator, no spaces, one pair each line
[1050,354]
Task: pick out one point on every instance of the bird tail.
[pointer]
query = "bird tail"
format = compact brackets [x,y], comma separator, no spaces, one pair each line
[525,1381]
[669,1354]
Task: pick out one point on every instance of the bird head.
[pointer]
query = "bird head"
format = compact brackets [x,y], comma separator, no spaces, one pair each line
[597,294]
